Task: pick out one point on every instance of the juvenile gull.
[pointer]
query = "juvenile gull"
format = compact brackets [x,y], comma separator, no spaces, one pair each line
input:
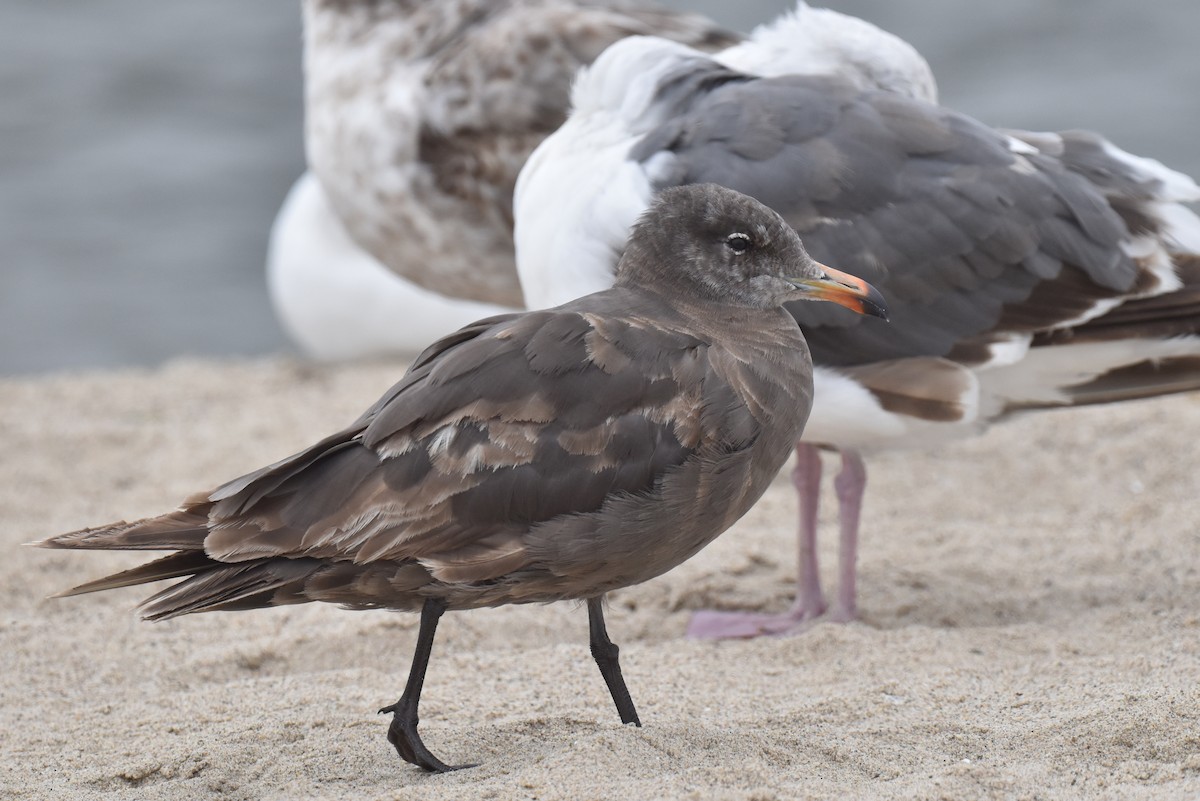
[531,457]
[1024,270]
[419,115]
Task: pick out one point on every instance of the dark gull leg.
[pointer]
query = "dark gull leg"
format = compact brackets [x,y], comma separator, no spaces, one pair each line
[810,600]
[850,484]
[403,731]
[605,652]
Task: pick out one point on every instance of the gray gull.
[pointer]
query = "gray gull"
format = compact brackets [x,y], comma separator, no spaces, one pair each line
[1023,270]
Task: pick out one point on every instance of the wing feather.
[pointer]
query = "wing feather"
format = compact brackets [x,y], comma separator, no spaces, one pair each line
[966,231]
[495,429]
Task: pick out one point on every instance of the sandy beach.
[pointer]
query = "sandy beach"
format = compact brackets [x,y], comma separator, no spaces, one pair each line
[1030,603]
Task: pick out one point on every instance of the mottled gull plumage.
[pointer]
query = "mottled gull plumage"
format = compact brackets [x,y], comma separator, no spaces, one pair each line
[1024,270]
[528,458]
[419,115]
[418,118]
[336,301]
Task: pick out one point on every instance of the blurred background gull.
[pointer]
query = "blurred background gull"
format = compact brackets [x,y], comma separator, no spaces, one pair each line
[145,148]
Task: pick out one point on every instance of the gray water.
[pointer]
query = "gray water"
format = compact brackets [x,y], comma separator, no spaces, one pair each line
[145,146]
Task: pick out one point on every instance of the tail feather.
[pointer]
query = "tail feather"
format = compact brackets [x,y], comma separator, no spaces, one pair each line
[269,582]
[1089,371]
[1171,314]
[1144,380]
[183,563]
[211,584]
[184,530]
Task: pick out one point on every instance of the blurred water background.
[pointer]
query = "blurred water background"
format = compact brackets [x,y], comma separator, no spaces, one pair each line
[145,147]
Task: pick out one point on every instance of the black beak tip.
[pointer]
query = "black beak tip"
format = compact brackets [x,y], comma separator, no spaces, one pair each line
[874,305]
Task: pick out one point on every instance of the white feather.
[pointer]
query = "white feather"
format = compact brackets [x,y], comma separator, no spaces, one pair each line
[1009,350]
[1046,373]
[579,193]
[337,302]
[844,412]
[1182,226]
[846,415]
[1176,186]
[820,41]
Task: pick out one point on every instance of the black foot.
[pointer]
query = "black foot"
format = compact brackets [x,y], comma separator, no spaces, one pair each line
[403,735]
[605,652]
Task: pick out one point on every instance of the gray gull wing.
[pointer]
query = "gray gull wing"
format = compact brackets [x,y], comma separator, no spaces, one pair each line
[965,232]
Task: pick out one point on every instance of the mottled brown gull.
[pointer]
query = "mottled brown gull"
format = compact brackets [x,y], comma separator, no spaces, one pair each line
[1024,270]
[533,457]
[419,115]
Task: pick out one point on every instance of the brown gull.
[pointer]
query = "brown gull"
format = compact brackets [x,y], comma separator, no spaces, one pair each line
[1024,270]
[532,457]
[419,115]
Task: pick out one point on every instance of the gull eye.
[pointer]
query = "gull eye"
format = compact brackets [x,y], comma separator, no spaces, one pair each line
[739,243]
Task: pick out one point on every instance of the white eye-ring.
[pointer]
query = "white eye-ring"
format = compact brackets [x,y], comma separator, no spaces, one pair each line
[739,243]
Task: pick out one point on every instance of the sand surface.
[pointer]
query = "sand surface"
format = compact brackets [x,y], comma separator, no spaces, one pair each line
[1030,599]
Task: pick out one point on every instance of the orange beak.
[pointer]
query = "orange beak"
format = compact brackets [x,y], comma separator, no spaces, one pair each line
[844,290]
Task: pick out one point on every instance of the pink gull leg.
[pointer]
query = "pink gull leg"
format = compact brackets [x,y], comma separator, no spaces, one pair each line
[806,477]
[810,601]
[850,484]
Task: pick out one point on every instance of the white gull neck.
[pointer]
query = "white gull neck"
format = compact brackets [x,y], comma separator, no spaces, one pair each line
[579,193]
